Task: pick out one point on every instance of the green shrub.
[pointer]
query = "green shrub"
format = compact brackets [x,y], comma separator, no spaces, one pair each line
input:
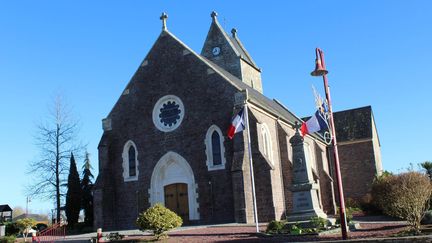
[348,214]
[25,225]
[296,229]
[11,229]
[8,239]
[158,219]
[275,226]
[115,236]
[319,223]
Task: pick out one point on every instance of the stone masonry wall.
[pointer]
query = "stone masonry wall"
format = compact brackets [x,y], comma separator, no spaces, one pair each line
[357,162]
[170,69]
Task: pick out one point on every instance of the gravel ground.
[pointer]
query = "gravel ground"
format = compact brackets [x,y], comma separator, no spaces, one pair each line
[247,234]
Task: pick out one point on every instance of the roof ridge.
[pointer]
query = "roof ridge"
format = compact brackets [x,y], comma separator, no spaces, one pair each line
[248,56]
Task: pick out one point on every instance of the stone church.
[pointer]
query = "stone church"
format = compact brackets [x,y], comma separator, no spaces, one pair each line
[165,141]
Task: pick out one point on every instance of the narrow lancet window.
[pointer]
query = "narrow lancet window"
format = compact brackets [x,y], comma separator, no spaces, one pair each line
[216,149]
[132,164]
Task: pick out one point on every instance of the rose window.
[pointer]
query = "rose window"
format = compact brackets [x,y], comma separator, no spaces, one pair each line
[168,113]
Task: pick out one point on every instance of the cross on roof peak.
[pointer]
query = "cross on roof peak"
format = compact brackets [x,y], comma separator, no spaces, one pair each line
[213,15]
[164,17]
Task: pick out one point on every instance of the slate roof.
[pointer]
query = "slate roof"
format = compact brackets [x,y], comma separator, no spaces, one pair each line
[242,51]
[5,208]
[236,44]
[255,97]
[353,124]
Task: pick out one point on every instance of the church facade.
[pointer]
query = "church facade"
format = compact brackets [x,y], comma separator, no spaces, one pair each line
[165,140]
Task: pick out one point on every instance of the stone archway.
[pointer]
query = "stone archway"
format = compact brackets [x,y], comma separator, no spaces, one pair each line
[172,168]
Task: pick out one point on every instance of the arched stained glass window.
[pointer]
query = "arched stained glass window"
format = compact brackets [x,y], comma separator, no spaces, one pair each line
[216,149]
[265,145]
[132,164]
[130,161]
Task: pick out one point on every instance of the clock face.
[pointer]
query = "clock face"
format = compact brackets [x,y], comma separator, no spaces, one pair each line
[216,51]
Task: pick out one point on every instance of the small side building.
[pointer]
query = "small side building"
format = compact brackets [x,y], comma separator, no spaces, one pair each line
[359,150]
[5,213]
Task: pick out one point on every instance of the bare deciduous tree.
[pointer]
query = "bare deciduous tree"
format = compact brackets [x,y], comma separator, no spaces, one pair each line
[56,138]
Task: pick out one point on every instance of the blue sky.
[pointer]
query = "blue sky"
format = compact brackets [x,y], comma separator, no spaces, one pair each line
[378,53]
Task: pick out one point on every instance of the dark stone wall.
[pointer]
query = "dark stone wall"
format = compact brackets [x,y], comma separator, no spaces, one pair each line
[208,100]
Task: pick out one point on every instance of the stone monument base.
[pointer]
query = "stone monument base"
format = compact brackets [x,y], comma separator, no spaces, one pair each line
[306,215]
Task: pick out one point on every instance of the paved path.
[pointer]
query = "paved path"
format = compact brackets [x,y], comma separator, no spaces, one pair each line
[371,227]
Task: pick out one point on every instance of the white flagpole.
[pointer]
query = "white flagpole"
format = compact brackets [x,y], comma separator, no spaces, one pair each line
[251,166]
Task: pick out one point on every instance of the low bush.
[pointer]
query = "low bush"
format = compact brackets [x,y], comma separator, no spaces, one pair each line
[405,196]
[11,229]
[115,236]
[348,214]
[296,229]
[159,220]
[318,223]
[275,227]
[7,239]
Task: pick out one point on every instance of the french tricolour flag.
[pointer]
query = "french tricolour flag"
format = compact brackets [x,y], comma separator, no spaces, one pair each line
[315,124]
[237,124]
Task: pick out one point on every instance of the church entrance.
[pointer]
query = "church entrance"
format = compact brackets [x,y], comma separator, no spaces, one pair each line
[176,199]
[173,185]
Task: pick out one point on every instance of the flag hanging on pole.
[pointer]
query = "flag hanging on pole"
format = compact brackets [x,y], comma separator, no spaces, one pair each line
[237,124]
[318,121]
[315,124]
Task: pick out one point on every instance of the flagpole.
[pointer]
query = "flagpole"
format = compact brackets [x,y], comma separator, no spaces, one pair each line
[251,166]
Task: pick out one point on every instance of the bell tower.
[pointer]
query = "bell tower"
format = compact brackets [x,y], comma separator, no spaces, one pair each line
[229,53]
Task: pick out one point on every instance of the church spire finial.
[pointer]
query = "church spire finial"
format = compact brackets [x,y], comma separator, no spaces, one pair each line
[234,32]
[214,15]
[164,17]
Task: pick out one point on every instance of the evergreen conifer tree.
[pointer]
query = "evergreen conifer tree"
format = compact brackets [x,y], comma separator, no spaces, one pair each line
[86,187]
[73,195]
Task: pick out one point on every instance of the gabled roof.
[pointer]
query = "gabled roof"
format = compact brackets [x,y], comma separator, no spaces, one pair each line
[241,50]
[233,41]
[5,208]
[254,96]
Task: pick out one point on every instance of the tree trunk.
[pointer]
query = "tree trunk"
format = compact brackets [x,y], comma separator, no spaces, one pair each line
[58,174]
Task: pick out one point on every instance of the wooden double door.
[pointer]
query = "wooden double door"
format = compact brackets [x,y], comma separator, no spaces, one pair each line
[176,199]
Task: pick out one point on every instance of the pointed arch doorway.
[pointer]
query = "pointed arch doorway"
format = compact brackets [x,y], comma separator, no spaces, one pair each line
[173,185]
